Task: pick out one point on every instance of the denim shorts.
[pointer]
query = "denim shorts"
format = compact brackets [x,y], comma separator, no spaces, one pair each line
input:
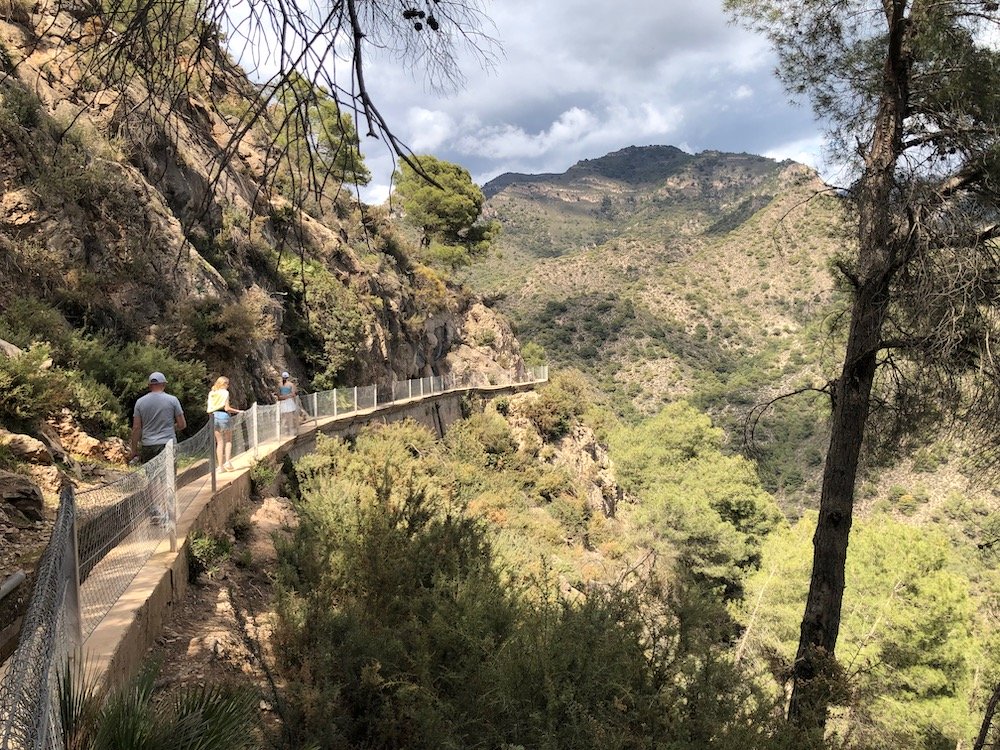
[223,421]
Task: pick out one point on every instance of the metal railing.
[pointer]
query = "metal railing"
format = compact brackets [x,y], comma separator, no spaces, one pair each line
[103,537]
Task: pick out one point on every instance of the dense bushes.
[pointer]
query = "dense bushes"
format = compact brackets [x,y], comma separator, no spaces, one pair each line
[557,405]
[400,628]
[31,389]
[905,639]
[98,380]
[710,505]
[326,320]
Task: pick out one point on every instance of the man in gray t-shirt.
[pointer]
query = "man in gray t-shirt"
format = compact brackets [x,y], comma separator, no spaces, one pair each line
[156,417]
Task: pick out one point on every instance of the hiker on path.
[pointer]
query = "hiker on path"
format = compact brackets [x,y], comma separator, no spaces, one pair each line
[288,405]
[156,418]
[221,412]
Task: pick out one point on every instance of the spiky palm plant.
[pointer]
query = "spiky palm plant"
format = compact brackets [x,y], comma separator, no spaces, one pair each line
[205,717]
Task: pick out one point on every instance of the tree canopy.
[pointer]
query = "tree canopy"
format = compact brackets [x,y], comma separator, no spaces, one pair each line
[711,505]
[316,136]
[905,640]
[447,210]
[167,51]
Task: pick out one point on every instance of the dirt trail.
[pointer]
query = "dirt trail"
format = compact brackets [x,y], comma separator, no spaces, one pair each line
[221,632]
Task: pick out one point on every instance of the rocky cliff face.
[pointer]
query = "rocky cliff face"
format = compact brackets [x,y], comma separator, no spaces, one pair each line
[147,222]
[150,230]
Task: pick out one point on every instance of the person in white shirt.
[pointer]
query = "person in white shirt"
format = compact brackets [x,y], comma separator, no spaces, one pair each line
[221,412]
[288,405]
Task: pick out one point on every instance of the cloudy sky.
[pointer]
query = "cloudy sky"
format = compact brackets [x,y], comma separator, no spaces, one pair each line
[580,78]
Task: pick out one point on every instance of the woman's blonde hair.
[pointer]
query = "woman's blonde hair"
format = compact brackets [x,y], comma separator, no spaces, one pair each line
[221,382]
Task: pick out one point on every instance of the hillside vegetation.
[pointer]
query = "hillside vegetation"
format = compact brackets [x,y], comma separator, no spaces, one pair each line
[666,275]
[500,584]
[148,230]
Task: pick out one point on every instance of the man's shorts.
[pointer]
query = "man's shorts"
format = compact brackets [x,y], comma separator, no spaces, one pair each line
[149,452]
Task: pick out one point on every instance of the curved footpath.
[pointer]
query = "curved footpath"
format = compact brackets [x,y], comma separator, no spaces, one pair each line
[118,644]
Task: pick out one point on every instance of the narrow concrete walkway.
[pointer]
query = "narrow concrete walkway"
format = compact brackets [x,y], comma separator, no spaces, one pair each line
[127,627]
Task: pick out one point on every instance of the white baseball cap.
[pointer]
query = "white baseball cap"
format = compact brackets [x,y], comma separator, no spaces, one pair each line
[284,375]
[157,377]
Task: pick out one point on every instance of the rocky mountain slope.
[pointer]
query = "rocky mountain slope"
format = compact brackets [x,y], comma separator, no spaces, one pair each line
[150,230]
[668,275]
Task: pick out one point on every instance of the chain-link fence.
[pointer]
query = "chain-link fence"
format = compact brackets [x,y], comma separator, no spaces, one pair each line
[29,690]
[103,537]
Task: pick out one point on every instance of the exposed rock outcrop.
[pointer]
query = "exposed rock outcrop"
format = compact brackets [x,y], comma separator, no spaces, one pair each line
[25,447]
[22,495]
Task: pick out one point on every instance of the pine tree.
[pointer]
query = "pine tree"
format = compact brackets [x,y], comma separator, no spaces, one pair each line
[909,90]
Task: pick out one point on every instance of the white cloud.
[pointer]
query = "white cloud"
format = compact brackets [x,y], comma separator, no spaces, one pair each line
[430,128]
[808,151]
[574,85]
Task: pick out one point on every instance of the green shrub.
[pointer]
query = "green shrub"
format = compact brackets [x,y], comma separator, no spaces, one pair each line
[19,107]
[31,389]
[125,371]
[533,354]
[26,321]
[206,553]
[398,627]
[220,331]
[557,405]
[484,440]
[485,337]
[262,475]
[552,483]
[325,321]
[129,718]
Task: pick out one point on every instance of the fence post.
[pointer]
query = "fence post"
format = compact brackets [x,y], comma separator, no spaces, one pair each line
[409,388]
[336,402]
[253,422]
[74,606]
[315,410]
[277,418]
[375,396]
[171,451]
[211,450]
[421,387]
[355,398]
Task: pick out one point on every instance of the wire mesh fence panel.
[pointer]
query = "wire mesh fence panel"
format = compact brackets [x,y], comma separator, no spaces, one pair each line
[29,715]
[366,397]
[268,423]
[192,455]
[119,527]
[308,404]
[400,390]
[345,400]
[240,434]
[325,401]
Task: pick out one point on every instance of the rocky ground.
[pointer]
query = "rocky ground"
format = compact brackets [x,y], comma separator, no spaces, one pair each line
[33,469]
[221,633]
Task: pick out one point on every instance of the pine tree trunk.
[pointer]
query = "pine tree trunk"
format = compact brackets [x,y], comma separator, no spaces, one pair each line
[881,252]
[814,672]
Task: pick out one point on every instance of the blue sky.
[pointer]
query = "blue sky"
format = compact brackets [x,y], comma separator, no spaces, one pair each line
[581,78]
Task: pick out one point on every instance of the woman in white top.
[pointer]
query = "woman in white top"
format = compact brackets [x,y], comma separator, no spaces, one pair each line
[221,411]
[288,405]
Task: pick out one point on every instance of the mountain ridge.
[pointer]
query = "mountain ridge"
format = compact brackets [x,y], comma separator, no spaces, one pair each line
[693,276]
